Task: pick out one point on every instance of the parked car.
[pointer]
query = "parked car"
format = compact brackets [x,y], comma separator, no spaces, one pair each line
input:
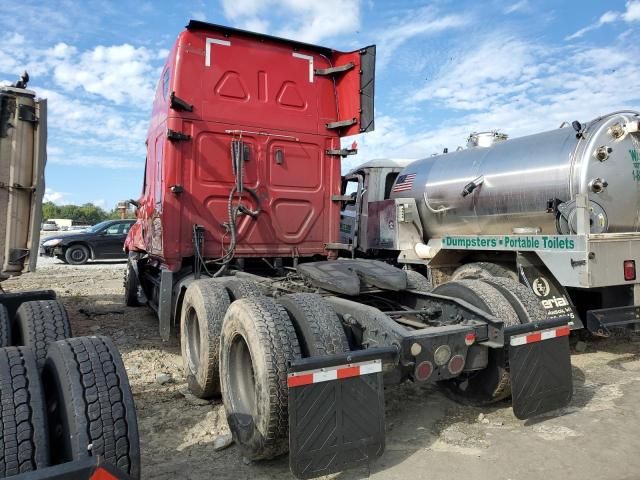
[49,226]
[103,241]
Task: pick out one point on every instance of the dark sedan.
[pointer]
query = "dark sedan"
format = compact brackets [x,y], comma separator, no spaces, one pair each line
[103,241]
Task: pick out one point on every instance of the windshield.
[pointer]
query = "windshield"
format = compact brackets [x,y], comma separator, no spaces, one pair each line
[98,226]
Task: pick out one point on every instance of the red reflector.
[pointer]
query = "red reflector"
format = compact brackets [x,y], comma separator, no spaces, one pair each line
[101,474]
[470,338]
[456,364]
[349,372]
[629,270]
[423,371]
[300,380]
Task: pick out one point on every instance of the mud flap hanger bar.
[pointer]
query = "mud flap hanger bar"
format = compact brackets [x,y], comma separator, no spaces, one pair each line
[377,353]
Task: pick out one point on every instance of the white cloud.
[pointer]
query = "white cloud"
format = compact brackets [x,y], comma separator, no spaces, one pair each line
[58,198]
[234,9]
[517,7]
[319,20]
[304,21]
[482,77]
[422,22]
[199,15]
[533,88]
[631,14]
[118,73]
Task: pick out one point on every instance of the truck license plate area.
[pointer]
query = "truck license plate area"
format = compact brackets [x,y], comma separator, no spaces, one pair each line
[540,368]
[336,418]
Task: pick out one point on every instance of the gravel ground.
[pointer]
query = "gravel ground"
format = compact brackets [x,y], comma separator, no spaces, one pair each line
[428,436]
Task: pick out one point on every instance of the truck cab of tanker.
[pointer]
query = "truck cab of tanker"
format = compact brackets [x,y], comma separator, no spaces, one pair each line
[362,188]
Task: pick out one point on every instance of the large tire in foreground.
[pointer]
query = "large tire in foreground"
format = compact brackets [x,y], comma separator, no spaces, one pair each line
[317,326]
[417,281]
[483,270]
[491,384]
[203,308]
[5,327]
[77,254]
[257,343]
[90,405]
[24,441]
[38,323]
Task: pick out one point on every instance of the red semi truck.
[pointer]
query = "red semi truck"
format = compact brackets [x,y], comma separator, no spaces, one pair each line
[236,247]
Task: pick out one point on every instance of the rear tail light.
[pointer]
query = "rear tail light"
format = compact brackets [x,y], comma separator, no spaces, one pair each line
[469,338]
[423,371]
[629,270]
[456,364]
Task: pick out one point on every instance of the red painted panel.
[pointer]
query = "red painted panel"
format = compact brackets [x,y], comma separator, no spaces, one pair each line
[265,92]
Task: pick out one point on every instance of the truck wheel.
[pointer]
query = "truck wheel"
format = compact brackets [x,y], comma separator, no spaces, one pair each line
[417,281]
[89,404]
[24,442]
[492,383]
[38,323]
[131,287]
[256,345]
[5,327]
[77,255]
[521,298]
[240,288]
[203,309]
[483,270]
[317,326]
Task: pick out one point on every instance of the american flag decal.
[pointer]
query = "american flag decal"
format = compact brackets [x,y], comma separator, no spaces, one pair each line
[404,182]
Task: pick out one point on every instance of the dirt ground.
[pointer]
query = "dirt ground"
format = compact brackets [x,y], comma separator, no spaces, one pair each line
[428,436]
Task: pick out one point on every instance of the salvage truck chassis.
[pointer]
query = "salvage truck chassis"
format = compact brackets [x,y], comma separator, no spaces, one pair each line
[355,326]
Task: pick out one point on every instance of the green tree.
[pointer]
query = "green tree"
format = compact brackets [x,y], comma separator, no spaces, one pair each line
[87,214]
[49,210]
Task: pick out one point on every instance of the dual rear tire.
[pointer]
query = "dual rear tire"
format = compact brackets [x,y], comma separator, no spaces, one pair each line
[507,300]
[238,343]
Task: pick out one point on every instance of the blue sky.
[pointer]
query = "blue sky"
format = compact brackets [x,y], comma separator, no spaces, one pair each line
[445,68]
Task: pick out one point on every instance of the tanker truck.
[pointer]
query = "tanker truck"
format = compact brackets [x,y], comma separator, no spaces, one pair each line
[236,247]
[66,409]
[557,211]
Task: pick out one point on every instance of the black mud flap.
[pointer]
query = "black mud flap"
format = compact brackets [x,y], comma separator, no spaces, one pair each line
[540,369]
[336,413]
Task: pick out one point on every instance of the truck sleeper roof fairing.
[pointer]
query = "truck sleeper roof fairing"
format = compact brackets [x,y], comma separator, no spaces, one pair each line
[288,104]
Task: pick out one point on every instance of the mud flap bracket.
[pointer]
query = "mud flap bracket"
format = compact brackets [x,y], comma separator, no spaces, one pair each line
[540,367]
[336,412]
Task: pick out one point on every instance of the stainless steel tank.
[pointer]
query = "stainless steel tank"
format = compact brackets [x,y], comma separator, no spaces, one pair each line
[529,184]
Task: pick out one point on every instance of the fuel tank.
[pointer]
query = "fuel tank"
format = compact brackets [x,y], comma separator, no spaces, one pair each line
[529,184]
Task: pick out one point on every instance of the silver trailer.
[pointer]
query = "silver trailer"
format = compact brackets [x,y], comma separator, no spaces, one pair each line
[23,139]
[559,210]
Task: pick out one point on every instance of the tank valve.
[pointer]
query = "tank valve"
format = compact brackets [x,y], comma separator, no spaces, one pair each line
[602,153]
[616,131]
[577,126]
[471,186]
[598,185]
